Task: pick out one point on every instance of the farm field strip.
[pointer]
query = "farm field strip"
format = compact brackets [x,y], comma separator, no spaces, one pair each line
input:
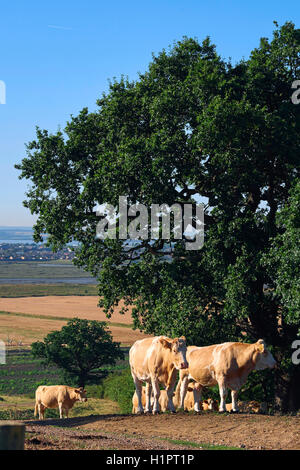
[40,269]
[43,290]
[63,306]
[49,317]
[26,330]
[30,319]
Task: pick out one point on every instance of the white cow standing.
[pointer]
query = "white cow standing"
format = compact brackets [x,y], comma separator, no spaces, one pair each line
[156,361]
[226,365]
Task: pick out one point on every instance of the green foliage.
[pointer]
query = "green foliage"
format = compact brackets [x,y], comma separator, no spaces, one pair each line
[283,259]
[95,391]
[193,125]
[16,414]
[80,348]
[119,387]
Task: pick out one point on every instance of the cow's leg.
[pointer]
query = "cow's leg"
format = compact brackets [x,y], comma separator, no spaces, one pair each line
[223,393]
[61,410]
[138,389]
[67,412]
[170,390]
[156,393]
[148,408]
[183,390]
[41,411]
[197,392]
[170,393]
[234,394]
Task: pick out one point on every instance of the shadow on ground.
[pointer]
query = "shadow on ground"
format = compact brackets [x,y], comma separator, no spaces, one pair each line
[78,421]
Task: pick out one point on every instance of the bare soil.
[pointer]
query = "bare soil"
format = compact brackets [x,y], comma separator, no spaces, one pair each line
[243,431]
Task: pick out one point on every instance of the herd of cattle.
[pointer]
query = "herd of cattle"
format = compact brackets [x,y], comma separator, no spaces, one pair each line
[156,361]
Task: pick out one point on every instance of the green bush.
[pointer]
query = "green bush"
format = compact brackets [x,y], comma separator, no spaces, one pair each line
[15,414]
[95,390]
[119,387]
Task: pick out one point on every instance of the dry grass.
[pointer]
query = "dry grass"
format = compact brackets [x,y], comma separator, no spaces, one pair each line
[64,306]
[95,406]
[52,313]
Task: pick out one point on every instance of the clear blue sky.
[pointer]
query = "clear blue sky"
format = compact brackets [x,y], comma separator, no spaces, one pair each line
[56,58]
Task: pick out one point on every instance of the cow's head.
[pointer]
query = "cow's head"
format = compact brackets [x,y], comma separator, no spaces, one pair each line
[263,358]
[177,347]
[80,394]
[213,404]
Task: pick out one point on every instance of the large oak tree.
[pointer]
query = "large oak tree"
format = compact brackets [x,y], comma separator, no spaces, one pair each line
[193,125]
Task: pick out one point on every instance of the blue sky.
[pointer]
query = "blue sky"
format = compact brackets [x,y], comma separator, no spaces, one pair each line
[56,57]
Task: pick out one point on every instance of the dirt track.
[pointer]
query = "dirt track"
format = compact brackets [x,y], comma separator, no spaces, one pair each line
[245,431]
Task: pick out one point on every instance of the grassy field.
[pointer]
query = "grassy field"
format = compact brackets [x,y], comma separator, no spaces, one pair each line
[22,374]
[43,290]
[37,270]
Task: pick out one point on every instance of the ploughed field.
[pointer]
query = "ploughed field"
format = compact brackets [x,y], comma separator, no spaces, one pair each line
[208,430]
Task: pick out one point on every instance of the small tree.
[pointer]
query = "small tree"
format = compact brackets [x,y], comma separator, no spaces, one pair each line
[79,349]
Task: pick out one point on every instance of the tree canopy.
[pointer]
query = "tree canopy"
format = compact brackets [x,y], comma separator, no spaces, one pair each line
[80,349]
[192,126]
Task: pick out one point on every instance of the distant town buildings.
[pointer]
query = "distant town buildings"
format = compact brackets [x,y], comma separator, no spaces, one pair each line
[32,252]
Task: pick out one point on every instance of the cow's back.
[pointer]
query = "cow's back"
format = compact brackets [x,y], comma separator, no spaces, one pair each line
[201,364]
[51,395]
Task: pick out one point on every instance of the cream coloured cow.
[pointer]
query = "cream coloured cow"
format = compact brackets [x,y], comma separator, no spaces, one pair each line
[205,405]
[226,365]
[156,361]
[57,396]
[135,401]
[163,400]
[210,404]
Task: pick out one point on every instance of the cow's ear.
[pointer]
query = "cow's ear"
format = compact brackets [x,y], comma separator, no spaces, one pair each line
[261,345]
[190,389]
[183,338]
[165,343]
